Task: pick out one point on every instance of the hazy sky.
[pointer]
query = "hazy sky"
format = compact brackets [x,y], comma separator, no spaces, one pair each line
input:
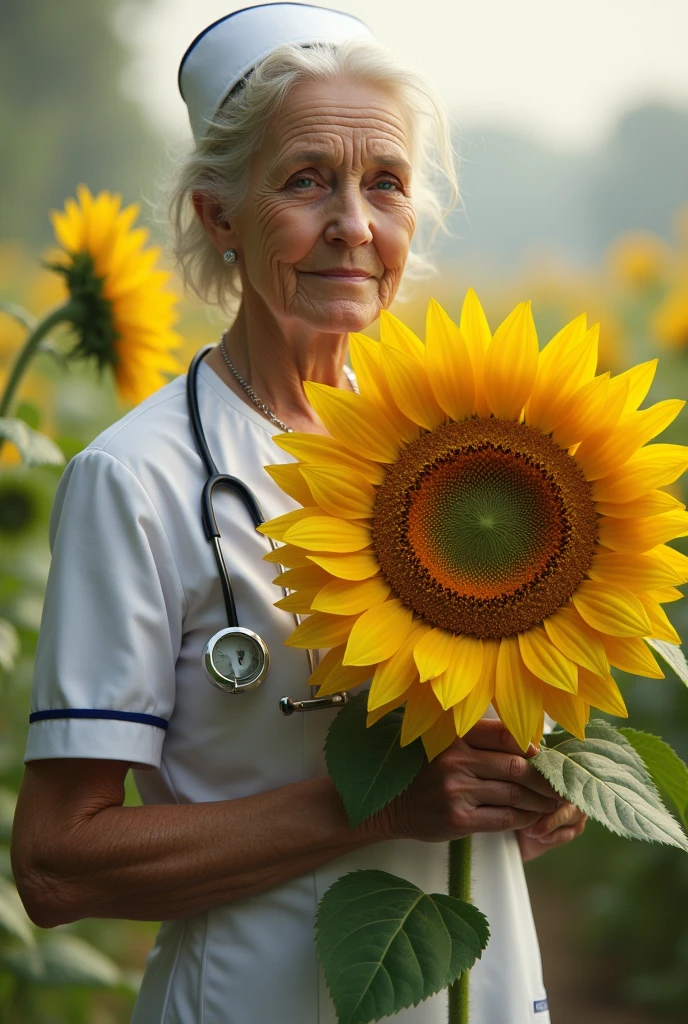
[563,70]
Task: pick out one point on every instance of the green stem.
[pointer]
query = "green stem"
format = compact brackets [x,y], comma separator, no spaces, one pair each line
[460,887]
[28,351]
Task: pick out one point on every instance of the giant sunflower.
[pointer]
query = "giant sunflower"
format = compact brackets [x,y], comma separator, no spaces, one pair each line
[120,308]
[484,525]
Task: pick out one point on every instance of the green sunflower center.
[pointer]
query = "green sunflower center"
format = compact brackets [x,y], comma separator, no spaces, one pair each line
[484,527]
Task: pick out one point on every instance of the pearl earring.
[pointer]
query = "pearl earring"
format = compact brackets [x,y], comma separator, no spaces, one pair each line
[230,256]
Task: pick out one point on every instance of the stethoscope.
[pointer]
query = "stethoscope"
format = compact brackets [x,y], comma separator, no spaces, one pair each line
[235,659]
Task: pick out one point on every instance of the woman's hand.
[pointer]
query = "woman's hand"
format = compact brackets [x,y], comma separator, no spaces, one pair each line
[556,829]
[482,783]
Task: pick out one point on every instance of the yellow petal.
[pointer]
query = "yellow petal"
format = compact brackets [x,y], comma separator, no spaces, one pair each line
[574,638]
[654,466]
[288,477]
[394,676]
[300,602]
[378,633]
[440,735]
[662,628]
[433,653]
[320,630]
[375,716]
[601,693]
[357,565]
[319,450]
[342,677]
[325,533]
[367,364]
[355,421]
[394,332]
[302,576]
[517,692]
[595,408]
[665,595]
[631,654]
[462,673]
[637,572]
[422,710]
[611,609]
[639,535]
[340,597]
[278,527]
[569,711]
[673,558]
[511,364]
[288,556]
[325,665]
[408,381]
[546,661]
[472,708]
[566,363]
[639,379]
[601,454]
[476,333]
[448,364]
[653,503]
[339,491]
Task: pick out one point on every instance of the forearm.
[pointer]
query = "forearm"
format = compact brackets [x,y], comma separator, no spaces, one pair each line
[166,861]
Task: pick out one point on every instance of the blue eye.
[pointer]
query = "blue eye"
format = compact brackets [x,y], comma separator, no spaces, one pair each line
[298,182]
[385,186]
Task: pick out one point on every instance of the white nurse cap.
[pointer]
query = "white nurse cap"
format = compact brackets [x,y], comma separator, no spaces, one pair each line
[227,50]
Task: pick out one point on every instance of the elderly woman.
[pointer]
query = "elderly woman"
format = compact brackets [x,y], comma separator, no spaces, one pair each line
[302,196]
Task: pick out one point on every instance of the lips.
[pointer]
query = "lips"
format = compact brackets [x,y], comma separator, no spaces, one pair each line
[339,273]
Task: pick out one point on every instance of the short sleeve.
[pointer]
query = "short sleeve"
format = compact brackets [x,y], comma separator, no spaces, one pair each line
[104,677]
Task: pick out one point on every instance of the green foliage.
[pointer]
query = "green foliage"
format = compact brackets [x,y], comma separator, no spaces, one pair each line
[673,656]
[385,945]
[669,773]
[368,766]
[604,776]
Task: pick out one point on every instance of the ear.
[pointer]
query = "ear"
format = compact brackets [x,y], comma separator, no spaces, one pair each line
[219,230]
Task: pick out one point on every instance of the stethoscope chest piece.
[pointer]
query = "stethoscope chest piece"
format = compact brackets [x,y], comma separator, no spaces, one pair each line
[236,659]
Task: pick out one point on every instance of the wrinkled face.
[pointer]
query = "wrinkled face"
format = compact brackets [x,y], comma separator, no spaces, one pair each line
[326,224]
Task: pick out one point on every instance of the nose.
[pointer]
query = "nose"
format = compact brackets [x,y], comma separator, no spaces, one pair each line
[349,218]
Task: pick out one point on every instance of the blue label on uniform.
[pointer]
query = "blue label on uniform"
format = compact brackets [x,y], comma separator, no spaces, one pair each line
[540,1005]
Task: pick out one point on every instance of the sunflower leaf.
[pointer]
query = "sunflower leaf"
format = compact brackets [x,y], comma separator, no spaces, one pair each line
[62,960]
[14,920]
[369,767]
[673,656]
[35,448]
[384,944]
[605,777]
[669,773]
[9,645]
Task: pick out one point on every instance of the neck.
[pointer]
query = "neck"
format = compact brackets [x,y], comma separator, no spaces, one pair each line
[276,357]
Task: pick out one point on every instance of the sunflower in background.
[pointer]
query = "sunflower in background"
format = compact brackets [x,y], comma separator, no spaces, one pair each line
[484,525]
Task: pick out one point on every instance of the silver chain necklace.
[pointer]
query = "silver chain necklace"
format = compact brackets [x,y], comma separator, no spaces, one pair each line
[244,384]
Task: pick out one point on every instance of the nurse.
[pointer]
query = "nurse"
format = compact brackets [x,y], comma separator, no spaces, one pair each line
[300,200]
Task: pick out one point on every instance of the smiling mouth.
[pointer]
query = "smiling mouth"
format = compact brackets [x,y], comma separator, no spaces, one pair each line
[343,274]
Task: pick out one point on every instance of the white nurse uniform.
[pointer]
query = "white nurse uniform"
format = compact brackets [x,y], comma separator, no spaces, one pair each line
[132,597]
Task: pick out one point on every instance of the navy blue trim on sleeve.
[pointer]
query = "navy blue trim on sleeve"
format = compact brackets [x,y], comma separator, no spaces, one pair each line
[117,716]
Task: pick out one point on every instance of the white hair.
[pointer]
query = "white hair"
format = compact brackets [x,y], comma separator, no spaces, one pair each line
[219,166]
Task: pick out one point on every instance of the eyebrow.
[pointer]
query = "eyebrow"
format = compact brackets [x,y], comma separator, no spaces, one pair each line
[317,156]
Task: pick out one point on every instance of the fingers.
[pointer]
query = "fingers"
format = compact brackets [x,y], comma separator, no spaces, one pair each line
[500,819]
[490,734]
[510,794]
[511,768]
[564,818]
